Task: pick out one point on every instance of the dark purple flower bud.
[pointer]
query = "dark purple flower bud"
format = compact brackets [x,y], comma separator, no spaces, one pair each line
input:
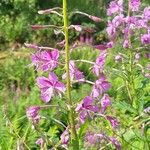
[101,47]
[50,87]
[105,102]
[113,121]
[33,113]
[115,142]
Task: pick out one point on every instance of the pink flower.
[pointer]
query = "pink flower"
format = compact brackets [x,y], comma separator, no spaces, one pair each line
[137,56]
[82,116]
[75,74]
[145,39]
[100,86]
[84,106]
[65,137]
[118,20]
[115,7]
[111,30]
[45,60]
[40,142]
[113,121]
[33,114]
[99,64]
[146,13]
[134,5]
[126,44]
[93,138]
[115,142]
[50,86]
[131,23]
[141,23]
[105,102]
[118,58]
[110,44]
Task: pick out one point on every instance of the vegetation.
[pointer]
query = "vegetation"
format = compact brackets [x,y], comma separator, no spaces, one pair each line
[126,69]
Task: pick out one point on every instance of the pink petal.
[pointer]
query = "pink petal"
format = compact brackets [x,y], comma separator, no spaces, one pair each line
[60,86]
[52,77]
[43,82]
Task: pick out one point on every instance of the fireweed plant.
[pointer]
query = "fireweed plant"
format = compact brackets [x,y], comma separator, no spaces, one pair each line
[84,116]
[131,30]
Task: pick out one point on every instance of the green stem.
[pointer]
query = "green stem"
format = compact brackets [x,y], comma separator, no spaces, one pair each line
[131,73]
[74,138]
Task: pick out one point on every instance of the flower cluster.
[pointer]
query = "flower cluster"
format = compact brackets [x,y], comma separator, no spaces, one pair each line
[132,28]
[128,24]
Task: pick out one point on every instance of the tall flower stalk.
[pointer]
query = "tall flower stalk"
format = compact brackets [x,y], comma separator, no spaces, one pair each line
[74,137]
[94,104]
